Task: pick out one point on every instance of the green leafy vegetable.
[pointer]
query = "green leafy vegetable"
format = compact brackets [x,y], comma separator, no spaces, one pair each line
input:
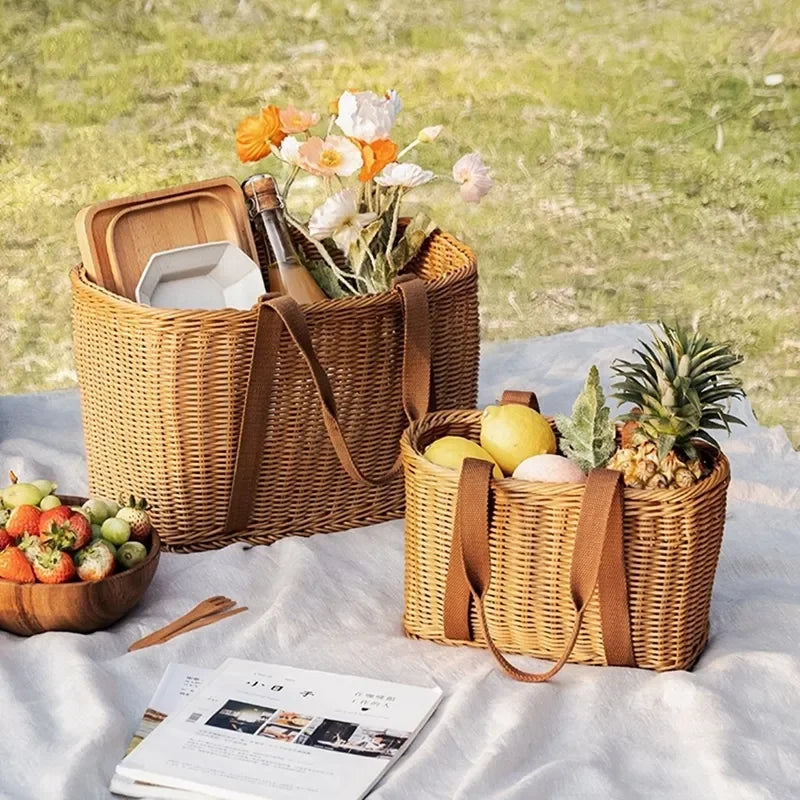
[588,436]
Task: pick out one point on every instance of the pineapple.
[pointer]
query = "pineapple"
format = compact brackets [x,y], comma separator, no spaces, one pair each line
[680,389]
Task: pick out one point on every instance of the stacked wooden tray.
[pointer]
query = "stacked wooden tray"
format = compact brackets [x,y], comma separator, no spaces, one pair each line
[117,237]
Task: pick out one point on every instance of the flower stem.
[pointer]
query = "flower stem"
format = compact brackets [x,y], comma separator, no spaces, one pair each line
[393,231]
[326,256]
[408,148]
[289,181]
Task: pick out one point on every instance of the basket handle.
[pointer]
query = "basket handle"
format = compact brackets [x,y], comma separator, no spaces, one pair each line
[513,396]
[597,558]
[277,312]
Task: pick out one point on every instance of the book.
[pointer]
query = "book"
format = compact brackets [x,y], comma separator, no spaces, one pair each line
[254,731]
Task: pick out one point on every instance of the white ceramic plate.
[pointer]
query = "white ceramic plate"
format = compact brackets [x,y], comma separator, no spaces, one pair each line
[208,276]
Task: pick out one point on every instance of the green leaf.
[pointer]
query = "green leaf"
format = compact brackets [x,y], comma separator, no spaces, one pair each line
[414,236]
[360,262]
[327,281]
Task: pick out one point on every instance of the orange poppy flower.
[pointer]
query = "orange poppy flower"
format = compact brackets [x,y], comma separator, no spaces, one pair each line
[254,135]
[376,156]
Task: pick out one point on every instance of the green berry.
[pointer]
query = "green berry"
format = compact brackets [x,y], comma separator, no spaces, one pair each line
[97,531]
[97,509]
[130,554]
[21,494]
[112,506]
[45,487]
[116,531]
[49,501]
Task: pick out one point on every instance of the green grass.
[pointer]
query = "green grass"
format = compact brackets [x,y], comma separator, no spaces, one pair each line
[600,120]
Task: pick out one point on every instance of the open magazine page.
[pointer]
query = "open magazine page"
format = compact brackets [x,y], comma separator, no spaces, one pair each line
[261,731]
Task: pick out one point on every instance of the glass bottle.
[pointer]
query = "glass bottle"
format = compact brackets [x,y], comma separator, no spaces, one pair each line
[285,271]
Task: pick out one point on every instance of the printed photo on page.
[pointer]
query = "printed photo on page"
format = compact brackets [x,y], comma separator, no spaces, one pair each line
[260,731]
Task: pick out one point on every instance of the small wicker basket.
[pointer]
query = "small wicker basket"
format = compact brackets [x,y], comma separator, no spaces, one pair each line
[537,595]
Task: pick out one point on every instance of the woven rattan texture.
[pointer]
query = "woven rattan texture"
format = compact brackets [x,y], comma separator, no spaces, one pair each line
[162,394]
[671,543]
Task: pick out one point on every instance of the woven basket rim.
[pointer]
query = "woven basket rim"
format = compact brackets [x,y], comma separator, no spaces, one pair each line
[534,490]
[79,277]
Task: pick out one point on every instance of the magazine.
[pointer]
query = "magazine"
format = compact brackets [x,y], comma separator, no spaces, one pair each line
[177,684]
[256,731]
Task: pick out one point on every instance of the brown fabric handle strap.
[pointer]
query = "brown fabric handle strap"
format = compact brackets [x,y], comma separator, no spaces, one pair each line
[597,558]
[416,369]
[277,312]
[520,398]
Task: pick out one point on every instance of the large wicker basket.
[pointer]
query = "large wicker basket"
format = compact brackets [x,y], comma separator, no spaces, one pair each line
[226,421]
[538,597]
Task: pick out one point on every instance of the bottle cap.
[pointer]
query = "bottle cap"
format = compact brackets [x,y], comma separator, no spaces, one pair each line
[261,193]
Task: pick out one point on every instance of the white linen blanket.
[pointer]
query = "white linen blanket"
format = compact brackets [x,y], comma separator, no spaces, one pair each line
[730,729]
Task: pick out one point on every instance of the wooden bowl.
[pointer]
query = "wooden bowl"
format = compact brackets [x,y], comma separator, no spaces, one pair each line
[81,607]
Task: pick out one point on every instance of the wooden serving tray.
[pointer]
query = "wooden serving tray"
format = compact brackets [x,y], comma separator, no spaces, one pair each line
[117,237]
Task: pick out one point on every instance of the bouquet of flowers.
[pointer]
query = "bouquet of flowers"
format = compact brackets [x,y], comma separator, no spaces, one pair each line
[364,180]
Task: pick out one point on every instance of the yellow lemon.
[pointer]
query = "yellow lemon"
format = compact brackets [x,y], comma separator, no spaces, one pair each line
[450,451]
[512,433]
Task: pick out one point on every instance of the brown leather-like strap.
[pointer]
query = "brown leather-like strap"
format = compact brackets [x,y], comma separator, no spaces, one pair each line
[597,557]
[416,345]
[520,398]
[468,572]
[277,312]
[256,402]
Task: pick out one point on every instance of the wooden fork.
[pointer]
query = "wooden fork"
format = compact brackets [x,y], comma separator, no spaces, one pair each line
[206,611]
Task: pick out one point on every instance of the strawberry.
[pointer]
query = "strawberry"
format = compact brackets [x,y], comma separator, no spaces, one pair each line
[72,534]
[54,566]
[54,516]
[15,567]
[135,514]
[95,561]
[5,539]
[24,519]
[31,546]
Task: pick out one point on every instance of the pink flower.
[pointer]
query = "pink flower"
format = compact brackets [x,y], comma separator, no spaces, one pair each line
[295,121]
[474,177]
[335,155]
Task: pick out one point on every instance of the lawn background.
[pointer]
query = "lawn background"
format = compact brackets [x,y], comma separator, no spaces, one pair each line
[644,167]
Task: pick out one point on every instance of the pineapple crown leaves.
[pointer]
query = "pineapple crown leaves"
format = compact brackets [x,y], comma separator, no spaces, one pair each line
[588,436]
[682,383]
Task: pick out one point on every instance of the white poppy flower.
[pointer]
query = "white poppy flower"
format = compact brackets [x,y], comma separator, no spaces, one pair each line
[406,175]
[289,150]
[429,134]
[338,218]
[368,116]
[474,177]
